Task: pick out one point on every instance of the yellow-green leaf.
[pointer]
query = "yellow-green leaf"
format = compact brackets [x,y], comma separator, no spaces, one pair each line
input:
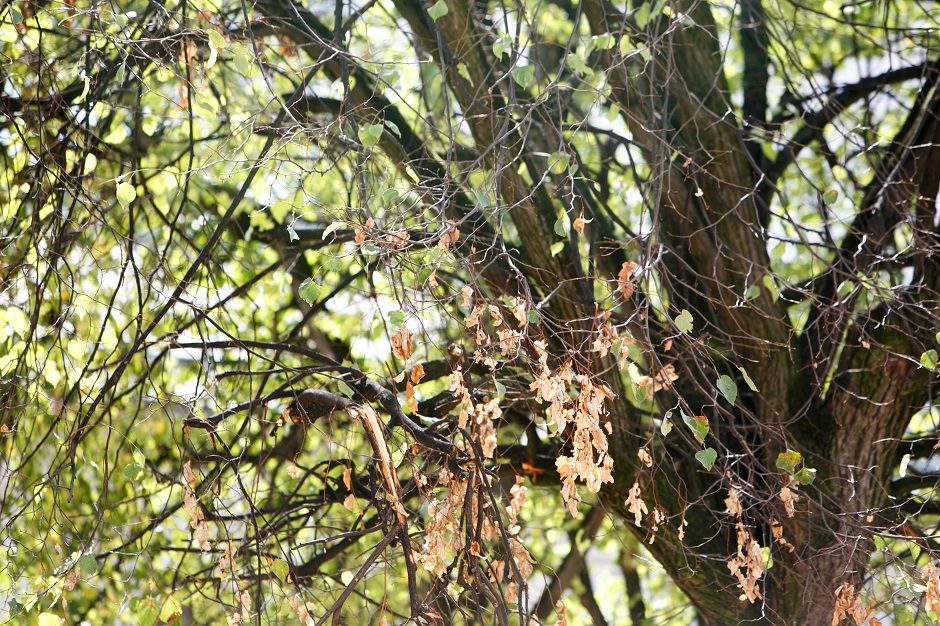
[280,569]
[929,359]
[171,609]
[747,379]
[728,388]
[370,134]
[684,321]
[125,193]
[788,460]
[438,10]
[706,457]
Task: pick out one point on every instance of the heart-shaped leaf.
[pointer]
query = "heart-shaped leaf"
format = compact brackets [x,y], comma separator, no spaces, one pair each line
[439,10]
[309,291]
[728,388]
[684,322]
[369,134]
[706,457]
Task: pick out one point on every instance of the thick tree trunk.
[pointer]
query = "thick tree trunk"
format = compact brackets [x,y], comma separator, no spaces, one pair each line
[710,221]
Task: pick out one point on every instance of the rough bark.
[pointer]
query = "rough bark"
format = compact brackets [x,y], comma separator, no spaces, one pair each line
[710,219]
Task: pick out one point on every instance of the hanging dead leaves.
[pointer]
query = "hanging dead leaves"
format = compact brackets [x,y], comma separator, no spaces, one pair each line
[659,381]
[635,504]
[448,236]
[848,604]
[191,505]
[463,506]
[625,281]
[789,497]
[402,341]
[367,233]
[481,417]
[747,565]
[606,336]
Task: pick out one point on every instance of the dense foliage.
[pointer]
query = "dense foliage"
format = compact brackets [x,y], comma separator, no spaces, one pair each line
[398,311]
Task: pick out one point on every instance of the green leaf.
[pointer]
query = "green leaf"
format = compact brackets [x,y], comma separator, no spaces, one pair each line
[501,45]
[684,321]
[666,427]
[805,476]
[727,388]
[345,389]
[645,13]
[603,42]
[126,193]
[329,230]
[87,565]
[524,75]
[902,466]
[389,196]
[534,316]
[747,379]
[439,10]
[929,359]
[904,615]
[309,291]
[557,247]
[216,43]
[626,46]
[396,318]
[698,425]
[48,619]
[464,71]
[706,457]
[216,40]
[91,162]
[244,58]
[145,610]
[577,63]
[133,470]
[558,162]
[171,609]
[771,287]
[562,225]
[766,558]
[280,569]
[788,460]
[370,134]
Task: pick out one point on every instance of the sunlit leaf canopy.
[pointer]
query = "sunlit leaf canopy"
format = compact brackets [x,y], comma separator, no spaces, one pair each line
[447,312]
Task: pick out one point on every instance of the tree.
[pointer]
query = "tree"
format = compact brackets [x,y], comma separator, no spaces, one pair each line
[327,311]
